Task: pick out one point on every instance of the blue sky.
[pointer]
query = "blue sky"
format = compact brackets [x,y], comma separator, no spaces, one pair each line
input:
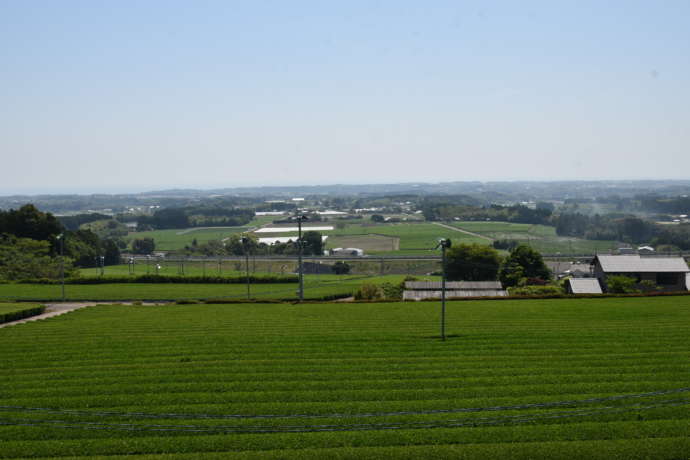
[116,96]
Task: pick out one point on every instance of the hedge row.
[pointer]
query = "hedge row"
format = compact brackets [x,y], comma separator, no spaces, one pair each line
[163,279]
[21,314]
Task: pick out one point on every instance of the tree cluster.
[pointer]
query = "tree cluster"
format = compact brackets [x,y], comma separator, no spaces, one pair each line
[30,246]
[476,262]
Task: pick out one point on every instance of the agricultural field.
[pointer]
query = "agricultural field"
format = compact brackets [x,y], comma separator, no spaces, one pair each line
[567,378]
[541,237]
[315,287]
[170,240]
[414,238]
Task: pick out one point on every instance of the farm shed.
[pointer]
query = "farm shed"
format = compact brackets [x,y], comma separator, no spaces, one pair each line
[419,290]
[582,286]
[669,273]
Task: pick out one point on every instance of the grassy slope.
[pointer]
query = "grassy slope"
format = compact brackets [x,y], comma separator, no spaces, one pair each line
[351,358]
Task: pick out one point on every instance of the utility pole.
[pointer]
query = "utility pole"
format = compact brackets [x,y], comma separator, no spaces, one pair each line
[245,243]
[444,243]
[300,270]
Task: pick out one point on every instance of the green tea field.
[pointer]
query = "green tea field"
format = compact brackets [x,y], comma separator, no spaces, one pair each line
[315,287]
[563,379]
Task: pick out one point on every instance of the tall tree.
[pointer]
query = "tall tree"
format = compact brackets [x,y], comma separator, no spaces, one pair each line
[523,262]
[312,243]
[143,246]
[472,262]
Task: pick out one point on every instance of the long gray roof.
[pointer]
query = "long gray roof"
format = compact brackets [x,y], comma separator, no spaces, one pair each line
[455,285]
[426,294]
[634,263]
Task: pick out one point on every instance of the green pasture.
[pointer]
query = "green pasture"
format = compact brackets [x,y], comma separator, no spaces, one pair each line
[351,381]
[315,287]
[170,240]
[541,237]
[415,238]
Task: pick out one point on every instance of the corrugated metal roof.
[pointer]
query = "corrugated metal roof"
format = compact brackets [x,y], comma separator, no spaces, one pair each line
[436,285]
[585,286]
[428,294]
[636,264]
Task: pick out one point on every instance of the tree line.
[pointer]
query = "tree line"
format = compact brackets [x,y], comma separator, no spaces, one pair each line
[475,262]
[195,216]
[435,210]
[627,228]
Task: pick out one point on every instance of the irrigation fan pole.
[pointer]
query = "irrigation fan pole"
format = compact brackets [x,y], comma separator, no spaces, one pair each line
[300,270]
[444,243]
[245,243]
[61,237]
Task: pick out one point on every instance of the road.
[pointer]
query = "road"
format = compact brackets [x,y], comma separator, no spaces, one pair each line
[450,227]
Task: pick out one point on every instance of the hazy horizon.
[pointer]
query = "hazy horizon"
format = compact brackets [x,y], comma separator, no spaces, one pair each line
[130,97]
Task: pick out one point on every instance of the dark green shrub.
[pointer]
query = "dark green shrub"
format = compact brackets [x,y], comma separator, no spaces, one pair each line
[536,290]
[369,291]
[621,284]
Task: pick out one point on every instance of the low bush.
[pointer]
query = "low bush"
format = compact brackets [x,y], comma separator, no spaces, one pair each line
[21,314]
[536,290]
[369,291]
[158,279]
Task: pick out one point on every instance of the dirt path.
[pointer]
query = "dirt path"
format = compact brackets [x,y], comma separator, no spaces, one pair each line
[467,232]
[57,309]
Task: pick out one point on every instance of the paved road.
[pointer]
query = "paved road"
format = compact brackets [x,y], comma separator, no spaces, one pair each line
[450,227]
